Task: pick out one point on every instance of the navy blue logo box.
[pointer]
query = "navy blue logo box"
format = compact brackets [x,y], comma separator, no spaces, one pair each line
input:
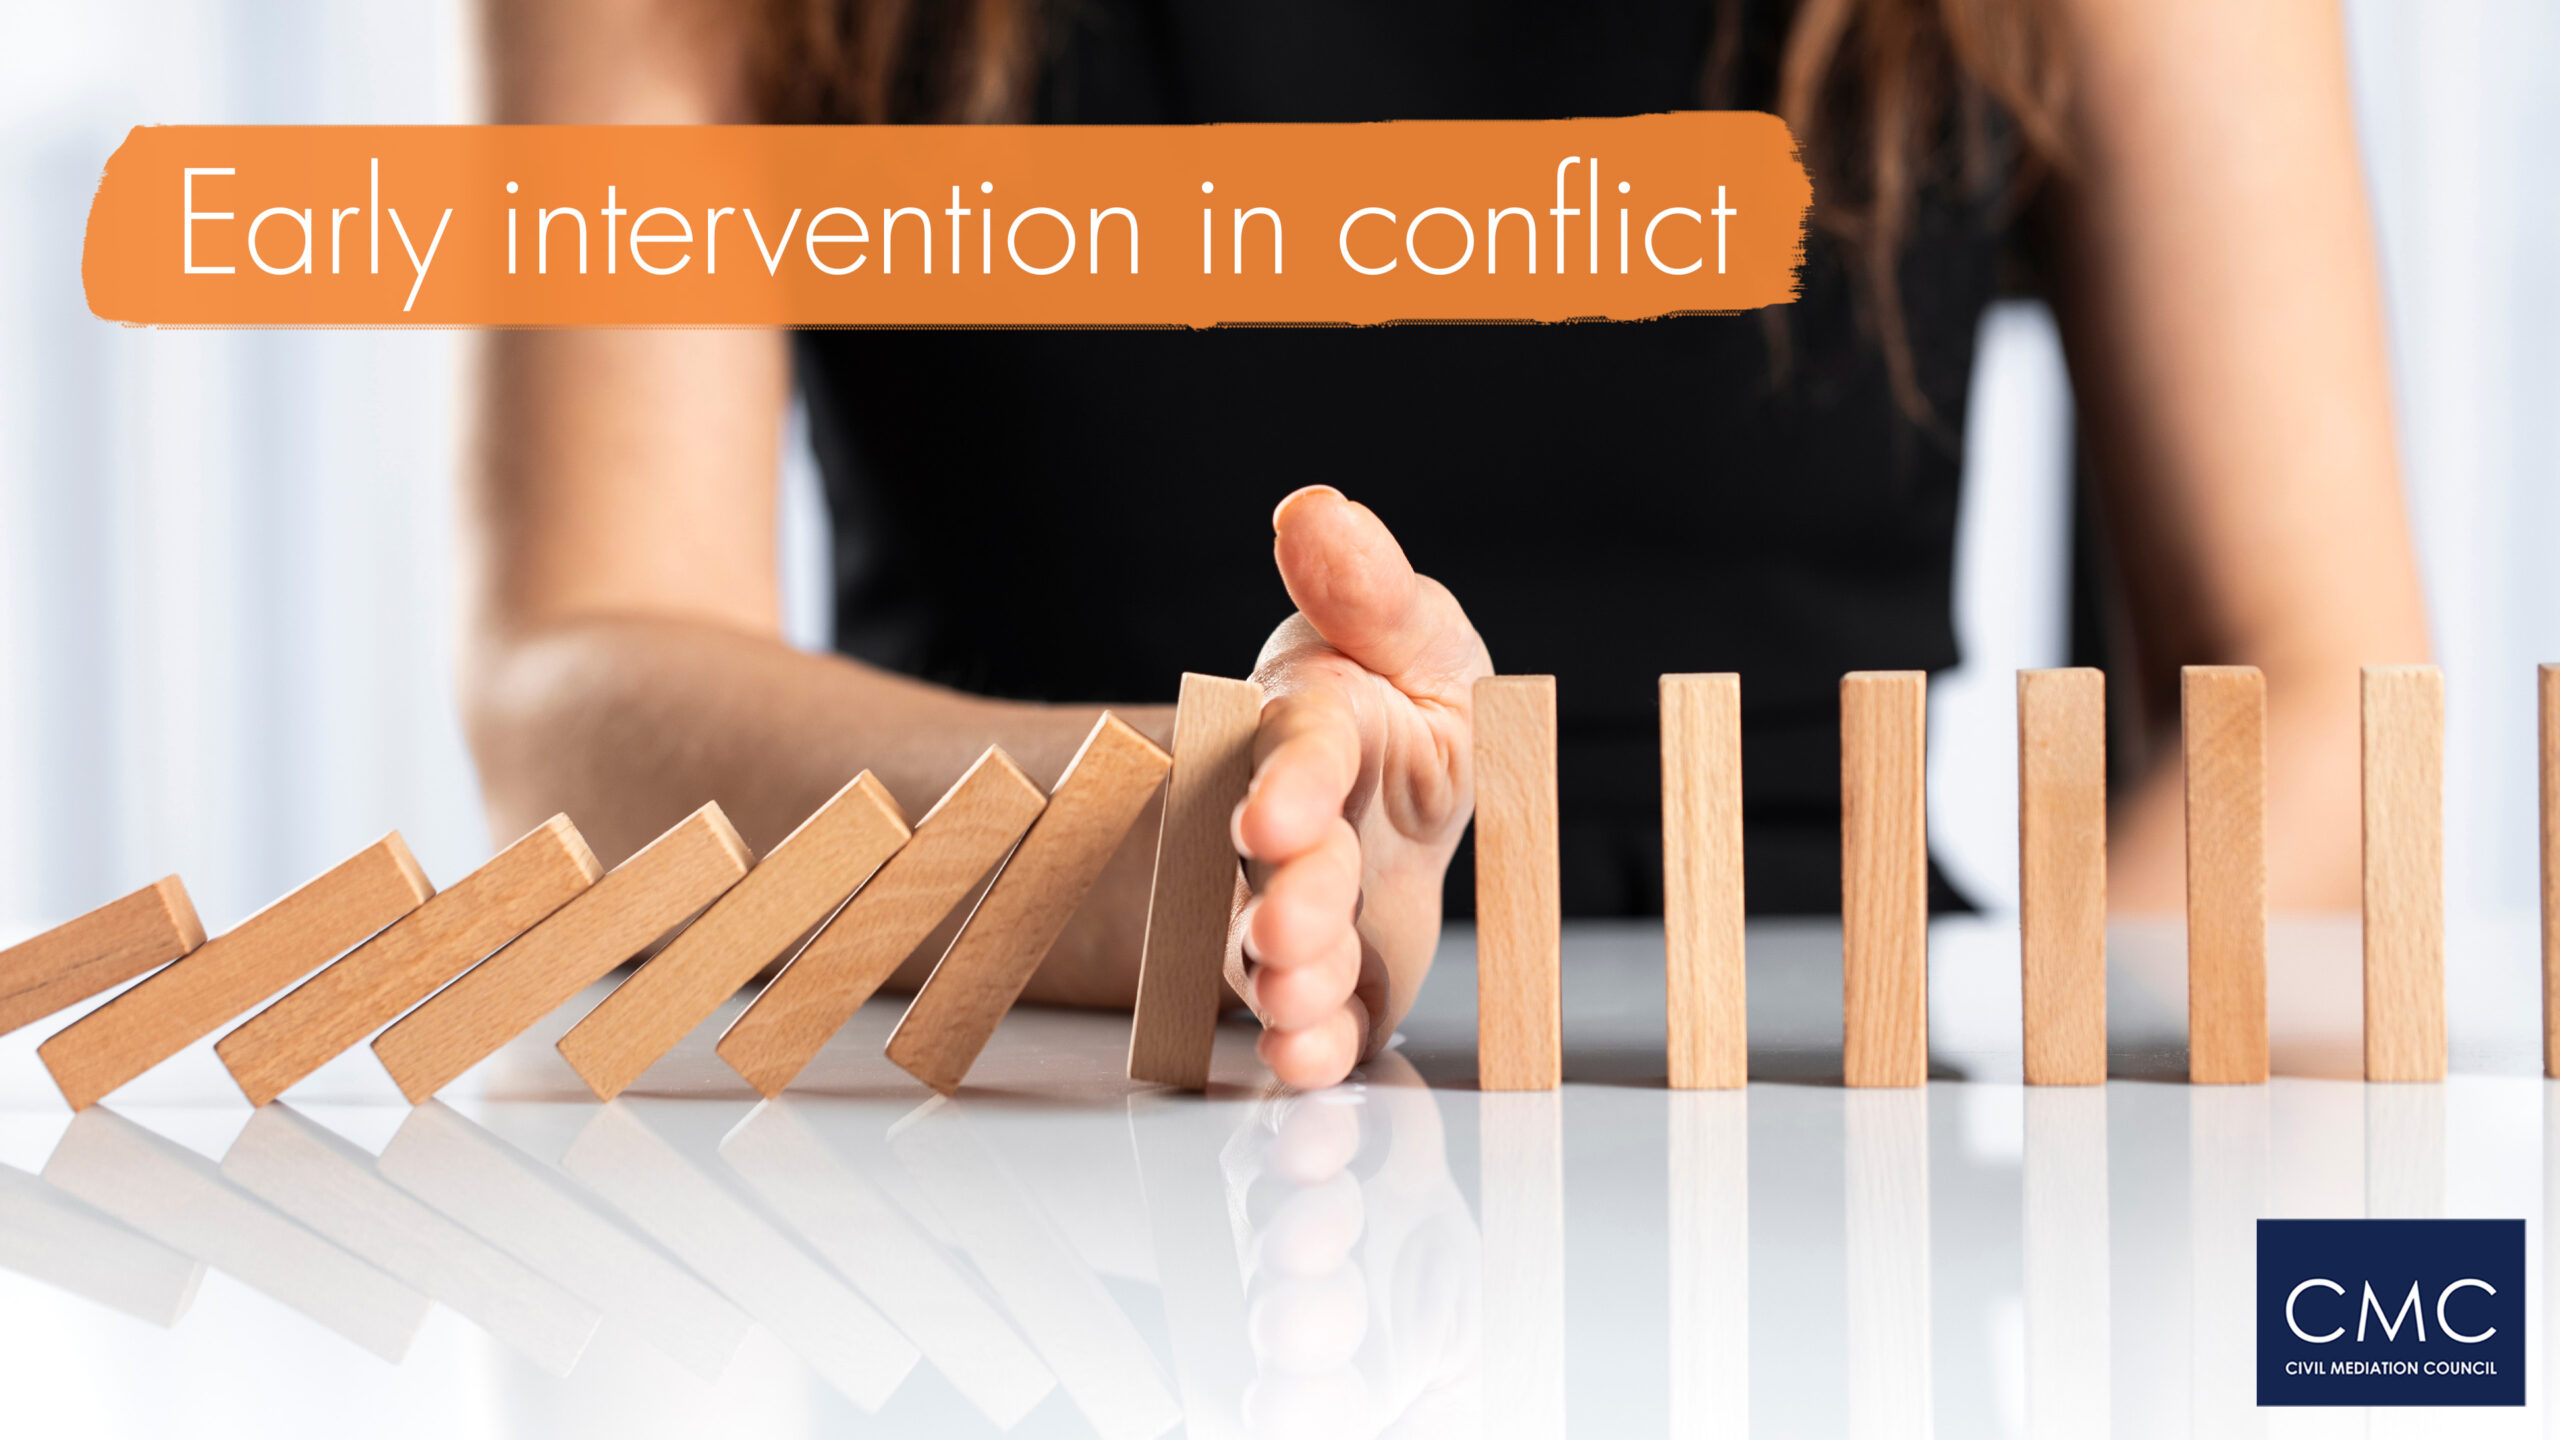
[2391,1312]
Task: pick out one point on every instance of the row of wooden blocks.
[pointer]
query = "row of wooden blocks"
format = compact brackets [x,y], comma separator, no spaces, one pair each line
[2062,830]
[456,974]
[854,890]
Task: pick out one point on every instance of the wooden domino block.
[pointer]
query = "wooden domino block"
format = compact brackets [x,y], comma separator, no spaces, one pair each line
[368,989]
[97,952]
[2224,716]
[1110,780]
[1884,877]
[226,975]
[1175,1023]
[967,833]
[2062,874]
[789,893]
[2550,686]
[1702,910]
[619,916]
[1519,902]
[2404,1025]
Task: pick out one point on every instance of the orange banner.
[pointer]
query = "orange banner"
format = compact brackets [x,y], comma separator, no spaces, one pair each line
[948,225]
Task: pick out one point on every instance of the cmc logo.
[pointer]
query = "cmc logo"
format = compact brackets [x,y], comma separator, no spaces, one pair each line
[2391,1312]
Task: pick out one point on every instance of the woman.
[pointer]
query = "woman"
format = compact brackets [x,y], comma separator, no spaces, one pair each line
[1031,524]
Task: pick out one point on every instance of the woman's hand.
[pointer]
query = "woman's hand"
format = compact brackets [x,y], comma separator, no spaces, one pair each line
[1363,781]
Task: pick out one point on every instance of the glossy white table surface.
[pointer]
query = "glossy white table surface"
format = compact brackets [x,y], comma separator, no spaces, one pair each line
[1059,1253]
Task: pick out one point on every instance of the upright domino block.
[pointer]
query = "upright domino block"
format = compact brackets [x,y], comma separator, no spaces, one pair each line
[1176,1020]
[97,952]
[2550,686]
[1519,901]
[335,1009]
[643,898]
[1884,877]
[1702,910]
[2224,715]
[2062,873]
[967,833]
[266,952]
[2404,1027]
[1110,780]
[789,893]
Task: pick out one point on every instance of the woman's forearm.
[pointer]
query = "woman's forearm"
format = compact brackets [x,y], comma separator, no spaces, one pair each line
[628,724]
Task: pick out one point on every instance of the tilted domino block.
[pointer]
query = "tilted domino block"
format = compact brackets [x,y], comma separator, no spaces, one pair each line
[616,918]
[97,952]
[225,976]
[1101,794]
[965,835]
[789,893]
[368,989]
[1174,1024]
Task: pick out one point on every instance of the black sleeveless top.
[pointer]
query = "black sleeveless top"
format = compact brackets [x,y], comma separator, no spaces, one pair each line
[1081,516]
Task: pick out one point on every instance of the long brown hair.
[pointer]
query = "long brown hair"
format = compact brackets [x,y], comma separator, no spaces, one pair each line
[1872,88]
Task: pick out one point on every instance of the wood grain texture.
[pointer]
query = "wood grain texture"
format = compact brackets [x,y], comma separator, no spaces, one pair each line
[1192,906]
[1108,782]
[787,895]
[2404,1023]
[967,833]
[2550,687]
[2224,716]
[97,952]
[2062,874]
[225,976]
[1884,877]
[321,1018]
[619,916]
[1519,904]
[1702,905]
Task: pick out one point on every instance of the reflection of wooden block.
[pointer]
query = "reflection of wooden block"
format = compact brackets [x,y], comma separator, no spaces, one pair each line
[791,891]
[266,952]
[2225,720]
[2404,1036]
[2551,871]
[966,834]
[403,965]
[1884,877]
[1110,780]
[1519,905]
[1189,913]
[2062,873]
[1702,879]
[97,952]
[644,897]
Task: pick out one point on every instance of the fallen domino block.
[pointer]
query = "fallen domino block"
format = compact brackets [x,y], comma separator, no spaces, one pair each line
[2224,719]
[1519,905]
[97,952]
[966,834]
[1702,908]
[1174,1024]
[1884,877]
[225,976]
[619,916]
[2403,744]
[787,895]
[2062,874]
[368,989]
[1110,780]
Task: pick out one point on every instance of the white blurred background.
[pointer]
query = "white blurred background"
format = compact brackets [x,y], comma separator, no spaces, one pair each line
[226,601]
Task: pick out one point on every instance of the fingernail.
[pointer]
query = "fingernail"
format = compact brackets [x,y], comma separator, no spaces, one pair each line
[1293,497]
